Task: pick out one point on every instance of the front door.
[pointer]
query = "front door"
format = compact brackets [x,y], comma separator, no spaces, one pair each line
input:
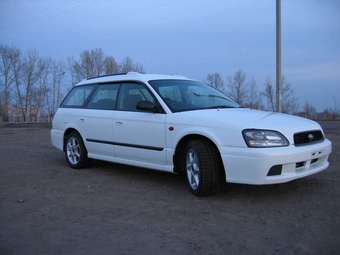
[138,135]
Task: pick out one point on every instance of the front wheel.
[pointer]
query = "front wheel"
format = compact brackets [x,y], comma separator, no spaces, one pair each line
[75,151]
[203,167]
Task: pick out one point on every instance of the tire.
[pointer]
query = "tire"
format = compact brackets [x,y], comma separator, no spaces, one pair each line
[203,167]
[75,151]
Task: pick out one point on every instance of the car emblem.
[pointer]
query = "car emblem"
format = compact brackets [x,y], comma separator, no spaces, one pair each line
[310,137]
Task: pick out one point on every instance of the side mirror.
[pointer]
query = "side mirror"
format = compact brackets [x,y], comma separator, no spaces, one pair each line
[147,106]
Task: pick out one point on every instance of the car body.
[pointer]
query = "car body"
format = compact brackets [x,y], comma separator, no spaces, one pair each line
[175,124]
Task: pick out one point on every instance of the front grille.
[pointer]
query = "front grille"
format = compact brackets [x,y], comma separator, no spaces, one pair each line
[308,137]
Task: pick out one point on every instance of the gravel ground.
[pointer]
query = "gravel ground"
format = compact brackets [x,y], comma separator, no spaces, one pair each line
[48,208]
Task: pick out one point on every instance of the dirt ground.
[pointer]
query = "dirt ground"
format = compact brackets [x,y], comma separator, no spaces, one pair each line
[48,208]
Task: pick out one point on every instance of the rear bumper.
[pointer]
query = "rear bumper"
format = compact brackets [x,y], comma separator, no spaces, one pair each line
[57,137]
[252,165]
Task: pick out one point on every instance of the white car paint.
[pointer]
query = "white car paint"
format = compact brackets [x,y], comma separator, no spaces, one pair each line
[222,126]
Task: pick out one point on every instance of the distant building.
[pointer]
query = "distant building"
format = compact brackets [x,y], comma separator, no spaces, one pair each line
[15,113]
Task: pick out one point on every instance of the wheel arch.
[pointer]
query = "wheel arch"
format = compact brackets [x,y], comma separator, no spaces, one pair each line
[180,148]
[66,133]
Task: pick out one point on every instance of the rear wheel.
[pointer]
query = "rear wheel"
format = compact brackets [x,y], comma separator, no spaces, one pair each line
[203,167]
[75,151]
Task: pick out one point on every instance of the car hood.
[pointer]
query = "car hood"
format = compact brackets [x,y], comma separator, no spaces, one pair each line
[238,119]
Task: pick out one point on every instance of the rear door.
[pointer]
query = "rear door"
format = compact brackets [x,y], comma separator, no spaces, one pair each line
[96,121]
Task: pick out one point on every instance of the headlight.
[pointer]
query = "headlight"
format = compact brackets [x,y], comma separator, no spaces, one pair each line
[264,138]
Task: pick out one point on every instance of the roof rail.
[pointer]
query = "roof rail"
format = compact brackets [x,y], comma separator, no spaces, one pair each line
[106,75]
[113,74]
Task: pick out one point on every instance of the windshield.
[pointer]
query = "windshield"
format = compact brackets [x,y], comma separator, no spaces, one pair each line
[184,95]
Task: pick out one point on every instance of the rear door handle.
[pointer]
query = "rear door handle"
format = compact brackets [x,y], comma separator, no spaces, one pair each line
[81,119]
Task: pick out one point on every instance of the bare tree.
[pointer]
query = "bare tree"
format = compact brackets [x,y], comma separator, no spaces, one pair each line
[32,67]
[326,113]
[17,73]
[335,110]
[8,56]
[85,68]
[40,90]
[91,64]
[289,101]
[70,67]
[127,65]
[215,80]
[309,110]
[95,63]
[269,94]
[254,97]
[98,61]
[58,73]
[238,87]
[110,65]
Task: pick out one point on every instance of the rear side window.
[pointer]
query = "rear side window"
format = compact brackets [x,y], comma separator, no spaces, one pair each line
[104,97]
[78,96]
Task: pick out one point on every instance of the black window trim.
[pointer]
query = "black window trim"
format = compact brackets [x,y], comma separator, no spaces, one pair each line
[96,85]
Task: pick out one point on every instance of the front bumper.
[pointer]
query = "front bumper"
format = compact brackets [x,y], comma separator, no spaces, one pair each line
[252,165]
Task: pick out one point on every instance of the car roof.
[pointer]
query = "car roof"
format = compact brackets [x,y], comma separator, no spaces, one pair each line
[130,76]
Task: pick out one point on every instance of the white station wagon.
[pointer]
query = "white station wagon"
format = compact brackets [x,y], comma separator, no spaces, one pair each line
[175,124]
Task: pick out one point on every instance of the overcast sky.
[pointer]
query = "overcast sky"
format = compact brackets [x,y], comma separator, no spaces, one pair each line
[192,38]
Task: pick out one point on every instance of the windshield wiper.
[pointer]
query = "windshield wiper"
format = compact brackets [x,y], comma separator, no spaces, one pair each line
[219,107]
[210,95]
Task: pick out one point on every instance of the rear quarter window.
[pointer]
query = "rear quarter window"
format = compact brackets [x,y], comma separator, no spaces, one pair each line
[78,96]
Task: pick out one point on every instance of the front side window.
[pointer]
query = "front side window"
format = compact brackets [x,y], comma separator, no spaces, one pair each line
[132,93]
[184,95]
[78,96]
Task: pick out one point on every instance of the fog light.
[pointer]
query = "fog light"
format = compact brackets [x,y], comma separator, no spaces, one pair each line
[275,170]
